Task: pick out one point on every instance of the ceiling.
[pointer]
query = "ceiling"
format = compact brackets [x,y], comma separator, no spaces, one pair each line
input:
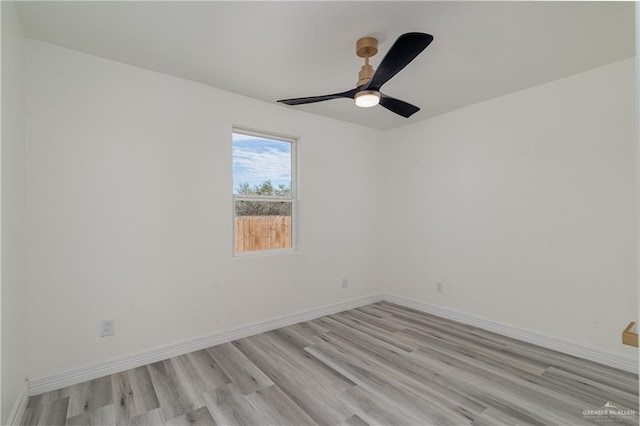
[276,50]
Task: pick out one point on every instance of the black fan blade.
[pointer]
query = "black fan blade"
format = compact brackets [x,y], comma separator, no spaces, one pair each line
[403,51]
[312,99]
[402,108]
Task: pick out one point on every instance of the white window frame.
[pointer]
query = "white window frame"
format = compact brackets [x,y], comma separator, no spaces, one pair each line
[293,199]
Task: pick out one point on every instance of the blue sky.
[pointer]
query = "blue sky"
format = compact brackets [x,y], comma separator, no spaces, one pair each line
[258,159]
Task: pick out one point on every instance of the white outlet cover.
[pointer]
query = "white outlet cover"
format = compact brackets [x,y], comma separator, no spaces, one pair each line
[107,328]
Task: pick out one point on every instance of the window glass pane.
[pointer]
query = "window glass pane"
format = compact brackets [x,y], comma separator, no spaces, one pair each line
[261,166]
[262,225]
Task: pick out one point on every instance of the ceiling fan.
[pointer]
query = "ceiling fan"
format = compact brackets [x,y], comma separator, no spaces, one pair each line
[367,92]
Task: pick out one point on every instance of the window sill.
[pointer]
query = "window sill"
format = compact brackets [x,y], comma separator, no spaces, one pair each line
[264,253]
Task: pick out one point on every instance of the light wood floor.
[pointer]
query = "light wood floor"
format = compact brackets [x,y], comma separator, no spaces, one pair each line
[380,364]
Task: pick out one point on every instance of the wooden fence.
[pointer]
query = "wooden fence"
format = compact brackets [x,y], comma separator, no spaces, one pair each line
[262,233]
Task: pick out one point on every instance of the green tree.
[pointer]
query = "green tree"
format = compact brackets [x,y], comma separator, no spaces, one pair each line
[263,208]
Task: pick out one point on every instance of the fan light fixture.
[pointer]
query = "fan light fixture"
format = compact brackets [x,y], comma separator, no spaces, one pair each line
[367,91]
[367,98]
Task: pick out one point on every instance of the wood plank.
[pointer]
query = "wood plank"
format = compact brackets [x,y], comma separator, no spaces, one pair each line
[133,393]
[175,398]
[102,416]
[382,323]
[307,367]
[377,332]
[47,413]
[591,391]
[413,377]
[388,374]
[517,365]
[544,405]
[360,337]
[374,410]
[199,372]
[275,407]
[199,417]
[83,397]
[47,397]
[493,417]
[243,373]
[228,406]
[318,394]
[372,310]
[297,336]
[150,418]
[89,396]
[355,421]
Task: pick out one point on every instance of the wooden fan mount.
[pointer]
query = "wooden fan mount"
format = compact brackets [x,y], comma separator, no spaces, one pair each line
[366,47]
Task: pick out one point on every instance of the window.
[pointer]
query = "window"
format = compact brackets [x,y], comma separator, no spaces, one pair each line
[263,192]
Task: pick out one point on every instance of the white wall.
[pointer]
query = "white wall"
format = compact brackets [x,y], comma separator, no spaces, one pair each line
[13,307]
[129,211]
[524,206]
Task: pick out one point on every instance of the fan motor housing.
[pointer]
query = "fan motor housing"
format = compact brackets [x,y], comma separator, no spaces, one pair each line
[365,75]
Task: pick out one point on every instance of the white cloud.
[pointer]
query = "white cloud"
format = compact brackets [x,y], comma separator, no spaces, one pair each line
[257,165]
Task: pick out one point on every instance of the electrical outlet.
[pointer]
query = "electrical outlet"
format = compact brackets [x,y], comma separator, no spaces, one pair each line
[107,328]
[439,287]
[345,283]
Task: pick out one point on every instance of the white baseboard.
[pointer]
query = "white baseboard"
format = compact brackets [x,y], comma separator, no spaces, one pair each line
[570,348]
[20,405]
[49,382]
[46,383]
